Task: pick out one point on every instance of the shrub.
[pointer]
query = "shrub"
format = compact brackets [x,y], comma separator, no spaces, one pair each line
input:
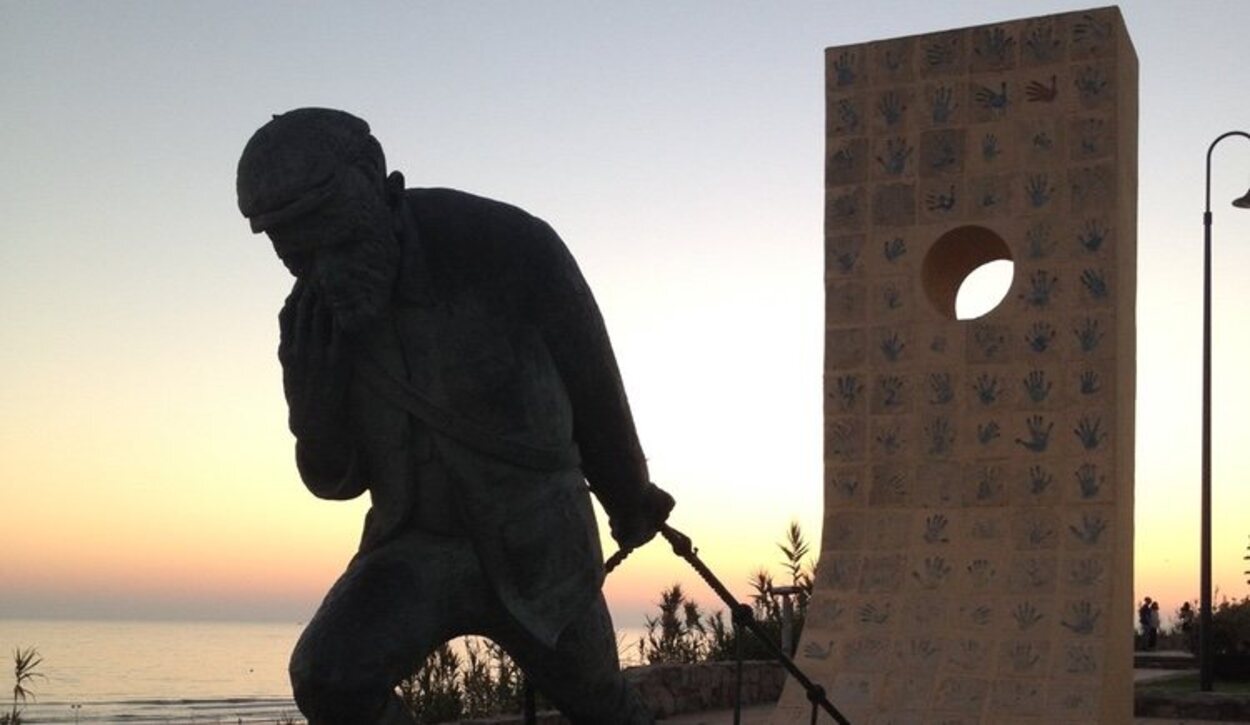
[448,686]
[432,693]
[1230,627]
[25,669]
[682,633]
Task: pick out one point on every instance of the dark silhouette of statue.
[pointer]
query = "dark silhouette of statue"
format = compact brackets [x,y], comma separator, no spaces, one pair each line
[443,352]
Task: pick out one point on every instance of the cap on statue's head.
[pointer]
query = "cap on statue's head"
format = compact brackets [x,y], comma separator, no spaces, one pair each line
[294,163]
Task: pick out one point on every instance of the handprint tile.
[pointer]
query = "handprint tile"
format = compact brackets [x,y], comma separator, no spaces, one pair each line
[847,162]
[942,54]
[993,48]
[894,205]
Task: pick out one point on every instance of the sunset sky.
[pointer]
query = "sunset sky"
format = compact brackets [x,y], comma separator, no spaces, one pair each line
[145,466]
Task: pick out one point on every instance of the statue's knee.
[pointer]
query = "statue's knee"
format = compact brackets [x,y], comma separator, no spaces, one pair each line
[328,698]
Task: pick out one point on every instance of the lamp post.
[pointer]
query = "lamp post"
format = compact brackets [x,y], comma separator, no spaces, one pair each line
[1204,615]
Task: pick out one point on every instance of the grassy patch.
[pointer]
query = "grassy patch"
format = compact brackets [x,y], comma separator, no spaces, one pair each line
[1189,683]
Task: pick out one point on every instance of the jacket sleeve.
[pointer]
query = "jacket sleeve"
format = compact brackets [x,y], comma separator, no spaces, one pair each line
[329,469]
[572,327]
[328,466]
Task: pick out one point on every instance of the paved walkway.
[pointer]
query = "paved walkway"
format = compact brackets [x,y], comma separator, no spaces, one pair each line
[760,714]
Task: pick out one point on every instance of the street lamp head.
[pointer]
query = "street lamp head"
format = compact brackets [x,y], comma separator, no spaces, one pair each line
[1242,202]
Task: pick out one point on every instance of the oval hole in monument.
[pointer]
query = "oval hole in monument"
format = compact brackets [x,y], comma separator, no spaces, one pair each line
[983,289]
[956,261]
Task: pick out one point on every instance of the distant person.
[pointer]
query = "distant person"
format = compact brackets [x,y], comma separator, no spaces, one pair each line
[443,352]
[1186,618]
[1143,619]
[1152,642]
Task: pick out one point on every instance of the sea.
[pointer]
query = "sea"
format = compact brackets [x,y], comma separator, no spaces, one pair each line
[163,672]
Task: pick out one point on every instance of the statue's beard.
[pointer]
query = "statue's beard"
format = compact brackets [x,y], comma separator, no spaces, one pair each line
[361,291]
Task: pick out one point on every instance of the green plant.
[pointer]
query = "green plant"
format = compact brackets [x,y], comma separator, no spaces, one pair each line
[683,633]
[491,680]
[678,635]
[432,693]
[25,670]
[1244,558]
[449,686]
[1230,626]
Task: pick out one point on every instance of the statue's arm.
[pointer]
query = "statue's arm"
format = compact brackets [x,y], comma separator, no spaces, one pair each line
[603,426]
[315,377]
[329,468]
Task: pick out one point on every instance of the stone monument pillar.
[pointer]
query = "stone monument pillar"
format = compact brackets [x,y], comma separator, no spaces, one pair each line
[977,554]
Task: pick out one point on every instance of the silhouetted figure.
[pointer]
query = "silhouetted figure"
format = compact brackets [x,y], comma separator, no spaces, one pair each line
[1145,615]
[1186,618]
[1152,641]
[443,352]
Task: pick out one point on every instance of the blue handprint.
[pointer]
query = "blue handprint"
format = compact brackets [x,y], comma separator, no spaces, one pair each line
[941,436]
[847,389]
[1089,334]
[1091,529]
[1038,432]
[942,105]
[940,202]
[1036,386]
[844,158]
[890,440]
[989,483]
[986,388]
[1038,240]
[891,297]
[990,149]
[892,346]
[990,340]
[1042,44]
[1089,31]
[1088,480]
[848,115]
[891,107]
[844,69]
[1041,287]
[941,387]
[1095,282]
[891,391]
[1089,382]
[894,248]
[1092,236]
[1039,190]
[935,529]
[1082,618]
[990,99]
[1091,84]
[893,160]
[1040,336]
[942,52]
[1039,479]
[994,45]
[1089,432]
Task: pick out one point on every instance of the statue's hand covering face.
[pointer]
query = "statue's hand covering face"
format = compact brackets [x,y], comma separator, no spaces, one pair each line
[312,179]
[348,254]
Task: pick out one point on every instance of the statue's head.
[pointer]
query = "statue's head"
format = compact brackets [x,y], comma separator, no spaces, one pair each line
[314,180]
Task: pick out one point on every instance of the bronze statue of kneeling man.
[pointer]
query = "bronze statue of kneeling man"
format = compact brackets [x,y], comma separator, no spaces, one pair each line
[443,352]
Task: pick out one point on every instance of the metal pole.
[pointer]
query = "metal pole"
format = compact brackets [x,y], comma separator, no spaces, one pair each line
[787,625]
[1204,606]
[787,616]
[1206,670]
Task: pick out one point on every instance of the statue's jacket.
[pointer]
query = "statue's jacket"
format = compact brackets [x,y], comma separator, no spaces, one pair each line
[494,325]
